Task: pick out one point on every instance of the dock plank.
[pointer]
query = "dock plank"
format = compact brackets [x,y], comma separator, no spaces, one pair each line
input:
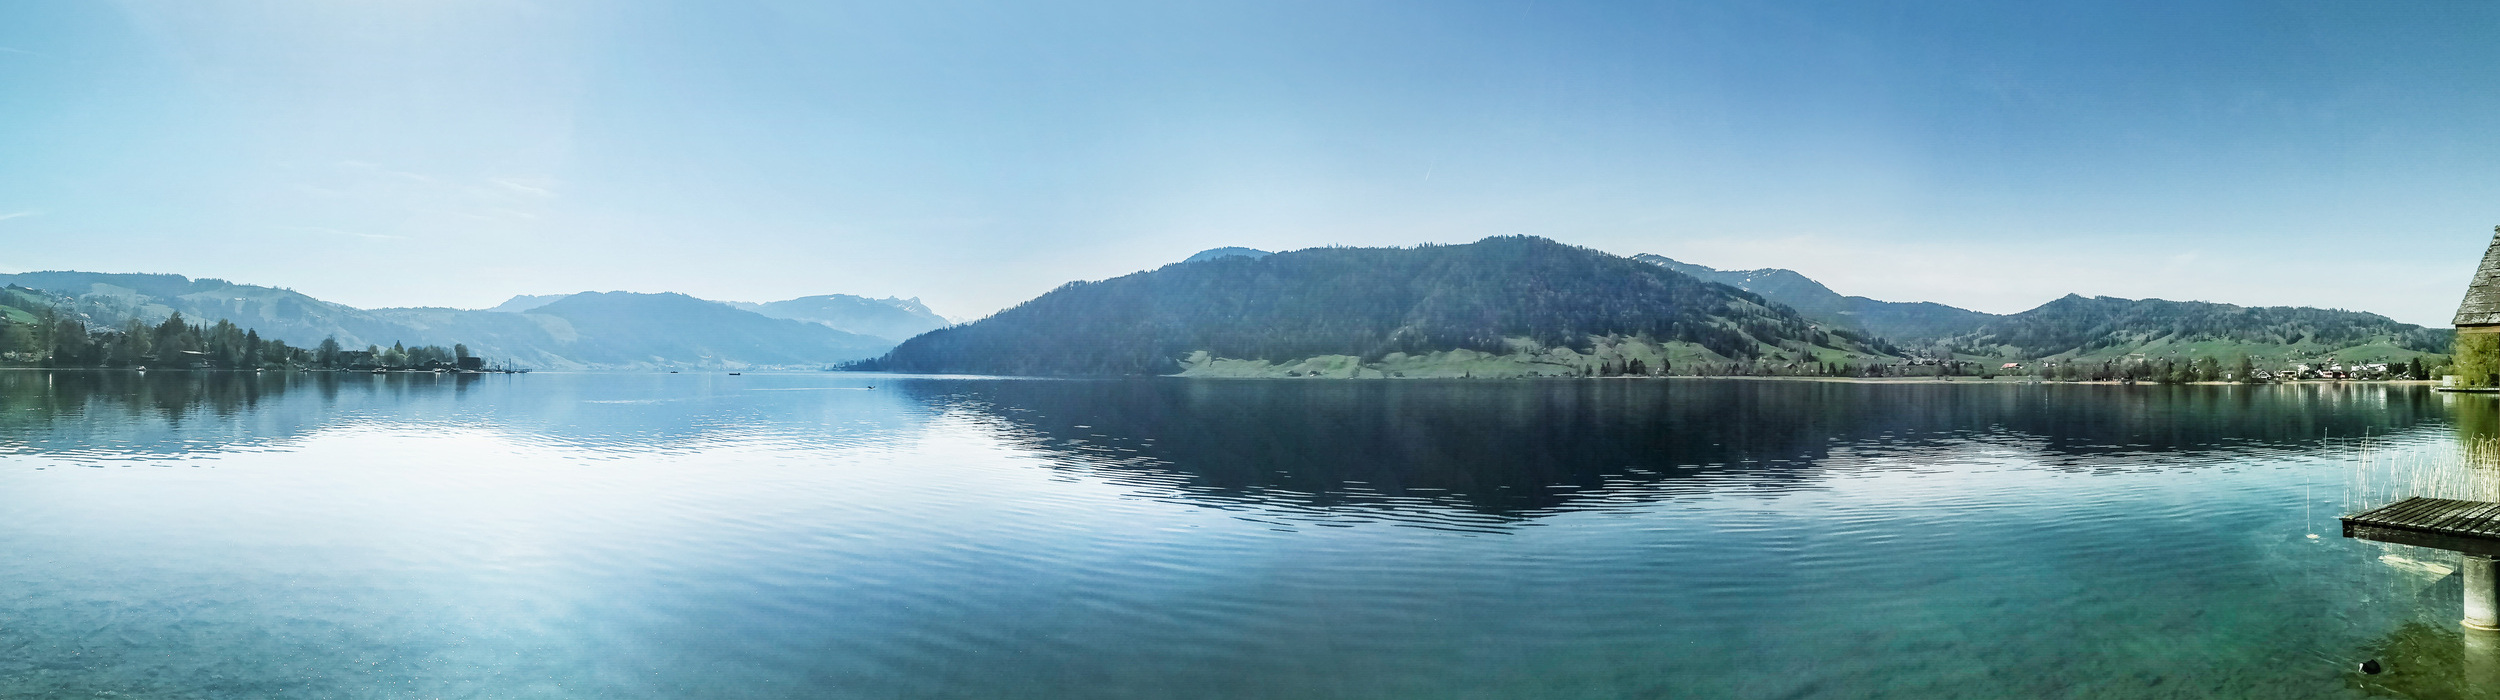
[2482,524]
[2401,510]
[2436,514]
[2464,521]
[2450,515]
[2398,512]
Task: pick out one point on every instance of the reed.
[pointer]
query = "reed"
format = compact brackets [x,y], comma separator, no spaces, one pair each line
[2380,473]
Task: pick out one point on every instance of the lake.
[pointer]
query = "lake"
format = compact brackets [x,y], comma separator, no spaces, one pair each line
[827,535]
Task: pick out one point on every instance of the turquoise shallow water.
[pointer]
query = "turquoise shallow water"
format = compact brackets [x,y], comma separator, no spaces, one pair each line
[869,536]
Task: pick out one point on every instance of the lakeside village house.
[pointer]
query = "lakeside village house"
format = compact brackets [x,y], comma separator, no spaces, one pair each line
[2301,370]
[2477,359]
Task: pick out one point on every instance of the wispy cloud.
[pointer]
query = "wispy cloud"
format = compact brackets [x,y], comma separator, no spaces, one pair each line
[377,169]
[23,52]
[517,185]
[18,215]
[340,232]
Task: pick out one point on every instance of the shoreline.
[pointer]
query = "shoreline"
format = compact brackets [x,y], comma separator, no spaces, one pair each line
[1841,380]
[2005,380]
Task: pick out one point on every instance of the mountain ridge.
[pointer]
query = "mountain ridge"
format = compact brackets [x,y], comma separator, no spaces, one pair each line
[1226,252]
[890,318]
[551,335]
[2075,326]
[1893,320]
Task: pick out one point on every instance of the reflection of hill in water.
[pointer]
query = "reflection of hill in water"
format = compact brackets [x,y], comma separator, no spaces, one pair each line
[130,415]
[1501,449]
[1521,448]
[105,415]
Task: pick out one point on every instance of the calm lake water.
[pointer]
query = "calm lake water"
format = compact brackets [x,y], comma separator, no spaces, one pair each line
[809,536]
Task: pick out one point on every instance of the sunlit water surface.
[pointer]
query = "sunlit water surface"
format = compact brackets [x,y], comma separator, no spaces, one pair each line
[868,536]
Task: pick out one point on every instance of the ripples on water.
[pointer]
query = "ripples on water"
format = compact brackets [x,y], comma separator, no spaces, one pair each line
[555,535]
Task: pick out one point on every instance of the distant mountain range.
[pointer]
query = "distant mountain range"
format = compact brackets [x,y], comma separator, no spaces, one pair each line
[1515,306]
[2094,327]
[1504,306]
[591,330]
[526,302]
[889,318]
[1898,321]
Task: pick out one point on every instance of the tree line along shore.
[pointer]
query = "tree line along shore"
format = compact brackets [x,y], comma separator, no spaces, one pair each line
[1637,358]
[63,342]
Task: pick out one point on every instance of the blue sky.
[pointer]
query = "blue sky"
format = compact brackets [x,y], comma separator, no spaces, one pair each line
[1989,155]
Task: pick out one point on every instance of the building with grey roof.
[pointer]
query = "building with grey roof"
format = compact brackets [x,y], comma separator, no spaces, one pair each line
[2477,360]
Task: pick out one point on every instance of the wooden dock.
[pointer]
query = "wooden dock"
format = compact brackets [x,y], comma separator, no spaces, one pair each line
[2469,528]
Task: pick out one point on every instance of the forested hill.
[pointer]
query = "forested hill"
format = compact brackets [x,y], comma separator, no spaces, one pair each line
[2096,326]
[2077,326]
[1490,296]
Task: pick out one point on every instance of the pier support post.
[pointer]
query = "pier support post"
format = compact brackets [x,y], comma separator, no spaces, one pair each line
[2481,665]
[2482,600]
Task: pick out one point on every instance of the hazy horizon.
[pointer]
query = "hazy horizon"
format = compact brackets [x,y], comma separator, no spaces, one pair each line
[974,155]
